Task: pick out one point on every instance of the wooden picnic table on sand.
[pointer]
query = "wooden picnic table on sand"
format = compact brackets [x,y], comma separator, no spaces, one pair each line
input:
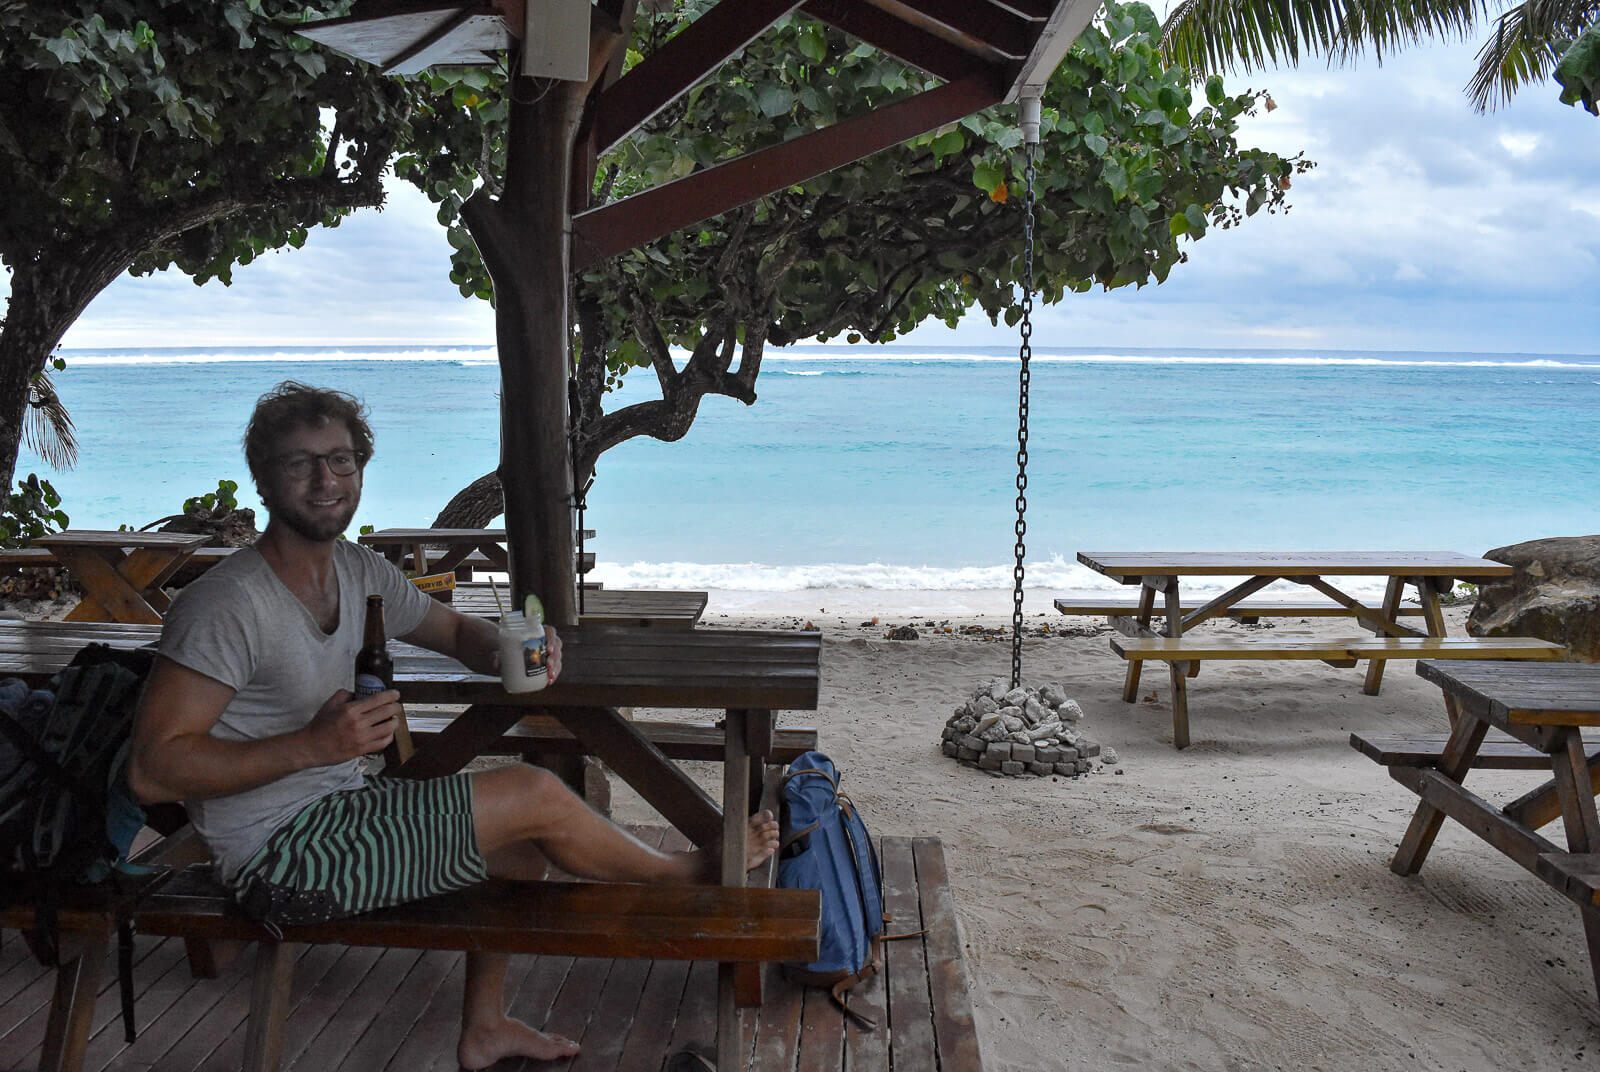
[121,572]
[1430,573]
[436,551]
[1539,711]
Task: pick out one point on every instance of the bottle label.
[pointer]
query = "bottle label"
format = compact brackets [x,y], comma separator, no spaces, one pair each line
[368,685]
[533,658]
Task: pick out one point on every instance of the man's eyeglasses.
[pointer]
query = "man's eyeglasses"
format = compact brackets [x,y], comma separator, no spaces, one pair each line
[340,463]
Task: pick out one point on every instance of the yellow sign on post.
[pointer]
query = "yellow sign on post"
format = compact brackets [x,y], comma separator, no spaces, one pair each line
[438,585]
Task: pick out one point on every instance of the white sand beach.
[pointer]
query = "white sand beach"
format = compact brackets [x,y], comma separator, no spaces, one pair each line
[1228,907]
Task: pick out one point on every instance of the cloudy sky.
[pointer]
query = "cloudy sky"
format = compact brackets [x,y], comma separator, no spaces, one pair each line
[1425,226]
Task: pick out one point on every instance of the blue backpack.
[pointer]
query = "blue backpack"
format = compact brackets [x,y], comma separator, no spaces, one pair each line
[826,847]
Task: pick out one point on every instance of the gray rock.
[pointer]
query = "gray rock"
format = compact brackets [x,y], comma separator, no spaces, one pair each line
[1020,737]
[984,705]
[998,690]
[996,732]
[990,761]
[1053,694]
[1040,768]
[1022,753]
[1048,729]
[966,723]
[1047,755]
[1088,749]
[1108,755]
[1066,768]
[1070,737]
[1012,723]
[973,742]
[951,749]
[985,722]
[950,733]
[1553,593]
[1017,697]
[1011,711]
[1034,711]
[1011,767]
[1070,711]
[968,754]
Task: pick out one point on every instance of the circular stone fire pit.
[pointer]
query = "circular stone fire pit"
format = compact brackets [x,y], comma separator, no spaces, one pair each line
[1021,731]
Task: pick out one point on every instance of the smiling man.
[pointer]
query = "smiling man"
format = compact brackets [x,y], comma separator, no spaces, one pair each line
[248,718]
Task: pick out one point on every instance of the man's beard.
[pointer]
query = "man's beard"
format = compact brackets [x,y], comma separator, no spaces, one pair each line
[318,529]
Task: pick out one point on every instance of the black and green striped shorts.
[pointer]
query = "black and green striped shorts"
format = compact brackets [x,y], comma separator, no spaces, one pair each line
[391,841]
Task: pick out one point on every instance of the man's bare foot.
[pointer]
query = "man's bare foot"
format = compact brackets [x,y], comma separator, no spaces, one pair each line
[760,842]
[482,1045]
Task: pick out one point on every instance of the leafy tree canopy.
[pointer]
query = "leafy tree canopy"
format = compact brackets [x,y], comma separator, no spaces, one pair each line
[145,134]
[1132,169]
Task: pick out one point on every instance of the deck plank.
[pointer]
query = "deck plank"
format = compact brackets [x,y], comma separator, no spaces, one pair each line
[398,1009]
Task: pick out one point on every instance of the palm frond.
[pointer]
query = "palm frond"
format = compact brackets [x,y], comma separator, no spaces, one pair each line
[1211,36]
[1525,47]
[47,427]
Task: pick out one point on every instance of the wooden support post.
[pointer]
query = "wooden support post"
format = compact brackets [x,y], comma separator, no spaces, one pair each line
[66,1036]
[1177,671]
[1391,610]
[269,1006]
[1454,764]
[524,238]
[1130,681]
[1570,767]
[735,791]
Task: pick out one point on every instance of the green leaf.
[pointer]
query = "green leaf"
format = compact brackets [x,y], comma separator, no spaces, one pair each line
[987,178]
[1197,220]
[813,44]
[949,143]
[774,100]
[1215,94]
[1096,144]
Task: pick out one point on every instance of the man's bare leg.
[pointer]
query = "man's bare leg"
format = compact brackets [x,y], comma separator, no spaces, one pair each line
[523,816]
[487,1033]
[521,803]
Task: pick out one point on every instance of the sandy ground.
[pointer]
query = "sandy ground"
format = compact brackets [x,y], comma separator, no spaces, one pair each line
[1227,907]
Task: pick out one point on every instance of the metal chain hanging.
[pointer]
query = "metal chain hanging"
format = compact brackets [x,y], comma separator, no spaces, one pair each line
[1022,408]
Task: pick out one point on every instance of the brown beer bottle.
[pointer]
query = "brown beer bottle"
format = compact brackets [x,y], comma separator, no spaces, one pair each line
[375,673]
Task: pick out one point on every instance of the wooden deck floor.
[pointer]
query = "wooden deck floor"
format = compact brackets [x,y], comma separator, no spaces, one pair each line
[368,1009]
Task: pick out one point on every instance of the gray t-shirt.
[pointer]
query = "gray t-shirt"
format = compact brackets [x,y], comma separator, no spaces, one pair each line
[240,625]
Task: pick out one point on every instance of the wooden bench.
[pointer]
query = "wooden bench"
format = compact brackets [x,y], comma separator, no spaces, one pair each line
[702,741]
[1247,611]
[396,1009]
[1339,651]
[1499,751]
[578,919]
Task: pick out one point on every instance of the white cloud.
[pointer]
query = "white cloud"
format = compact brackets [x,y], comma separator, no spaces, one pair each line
[1424,226]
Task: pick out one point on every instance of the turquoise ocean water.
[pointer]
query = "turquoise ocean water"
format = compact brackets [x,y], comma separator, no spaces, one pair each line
[894,468]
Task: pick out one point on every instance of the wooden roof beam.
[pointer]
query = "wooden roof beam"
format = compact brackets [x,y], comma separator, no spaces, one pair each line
[976,24]
[1066,22]
[675,68]
[627,224]
[883,31]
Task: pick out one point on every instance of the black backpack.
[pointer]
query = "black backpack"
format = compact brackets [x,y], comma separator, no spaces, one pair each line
[66,816]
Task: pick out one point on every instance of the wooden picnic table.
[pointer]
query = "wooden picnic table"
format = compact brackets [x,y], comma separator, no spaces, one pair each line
[436,551]
[1160,573]
[1539,710]
[749,675]
[121,572]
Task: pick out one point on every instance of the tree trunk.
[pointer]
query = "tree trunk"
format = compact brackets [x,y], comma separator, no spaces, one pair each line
[523,238]
[46,297]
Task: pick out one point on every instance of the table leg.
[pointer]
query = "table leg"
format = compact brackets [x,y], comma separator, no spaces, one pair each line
[108,596]
[1457,760]
[66,1036]
[735,791]
[1391,612]
[1130,681]
[1571,770]
[1178,672]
